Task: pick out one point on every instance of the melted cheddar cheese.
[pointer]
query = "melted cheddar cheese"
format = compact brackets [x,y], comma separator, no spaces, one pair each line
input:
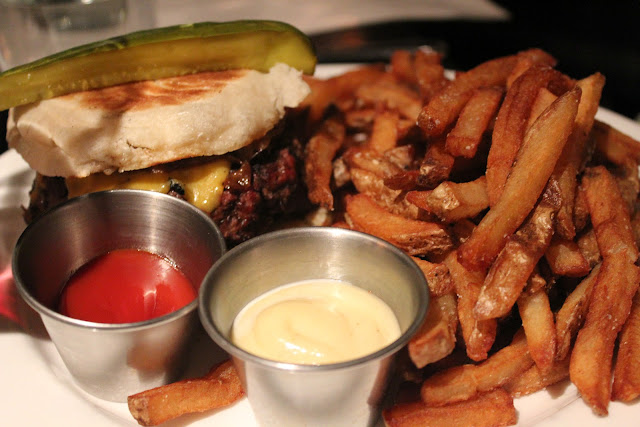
[202,183]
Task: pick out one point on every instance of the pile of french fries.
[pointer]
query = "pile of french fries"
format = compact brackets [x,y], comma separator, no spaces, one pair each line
[518,205]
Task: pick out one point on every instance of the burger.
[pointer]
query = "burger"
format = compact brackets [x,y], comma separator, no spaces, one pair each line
[228,141]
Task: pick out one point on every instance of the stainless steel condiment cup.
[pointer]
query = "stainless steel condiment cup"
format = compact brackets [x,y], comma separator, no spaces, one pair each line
[112,361]
[285,394]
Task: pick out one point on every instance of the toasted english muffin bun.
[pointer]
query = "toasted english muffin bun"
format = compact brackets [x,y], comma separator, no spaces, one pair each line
[138,125]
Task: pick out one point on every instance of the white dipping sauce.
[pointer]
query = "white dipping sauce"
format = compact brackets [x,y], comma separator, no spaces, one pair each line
[315,322]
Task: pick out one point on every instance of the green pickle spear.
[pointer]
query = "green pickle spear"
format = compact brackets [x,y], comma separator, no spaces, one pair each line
[158,53]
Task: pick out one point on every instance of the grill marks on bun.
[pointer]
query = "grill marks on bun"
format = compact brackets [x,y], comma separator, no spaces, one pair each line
[149,94]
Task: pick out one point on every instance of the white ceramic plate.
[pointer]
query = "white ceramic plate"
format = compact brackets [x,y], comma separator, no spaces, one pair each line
[36,389]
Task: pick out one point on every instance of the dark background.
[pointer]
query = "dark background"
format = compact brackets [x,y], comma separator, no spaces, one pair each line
[585,36]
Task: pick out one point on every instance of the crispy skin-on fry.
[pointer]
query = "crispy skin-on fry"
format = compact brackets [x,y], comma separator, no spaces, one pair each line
[370,160]
[570,317]
[390,95]
[576,152]
[533,380]
[565,259]
[614,145]
[429,73]
[544,98]
[478,335]
[319,154]
[535,282]
[436,338]
[628,182]
[492,409]
[464,139]
[325,92]
[218,388]
[635,225]
[384,135]
[539,327]
[467,381]
[436,165]
[626,375]
[509,130]
[443,108]
[451,201]
[589,247]
[508,275]
[610,216]
[591,358]
[437,275]
[413,236]
[528,59]
[402,66]
[373,186]
[537,157]
[435,168]
[617,283]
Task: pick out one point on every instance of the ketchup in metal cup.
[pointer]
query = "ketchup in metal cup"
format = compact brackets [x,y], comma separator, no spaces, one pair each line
[123,286]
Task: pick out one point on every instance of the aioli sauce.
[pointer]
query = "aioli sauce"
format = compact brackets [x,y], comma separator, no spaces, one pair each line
[315,322]
[125,285]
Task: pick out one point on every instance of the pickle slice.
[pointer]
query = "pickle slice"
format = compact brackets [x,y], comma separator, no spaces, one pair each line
[158,53]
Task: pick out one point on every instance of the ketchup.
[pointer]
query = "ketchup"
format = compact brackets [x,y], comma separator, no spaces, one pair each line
[125,285]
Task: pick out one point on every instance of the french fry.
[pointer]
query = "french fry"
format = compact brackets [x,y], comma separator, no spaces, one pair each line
[451,202]
[609,214]
[565,258]
[492,409]
[536,160]
[539,327]
[535,282]
[436,338]
[384,135]
[467,381]
[360,119]
[443,108]
[617,283]
[576,151]
[509,130]
[635,226]
[628,182]
[528,59]
[436,165]
[390,95]
[626,376]
[429,73]
[219,388]
[437,275]
[478,335]
[533,380]
[365,158]
[516,262]
[372,185]
[614,145]
[589,247]
[580,210]
[591,358]
[542,101]
[319,154]
[413,236]
[401,64]
[474,119]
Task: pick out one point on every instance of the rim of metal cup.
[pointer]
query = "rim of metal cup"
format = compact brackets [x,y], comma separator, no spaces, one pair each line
[328,233]
[46,311]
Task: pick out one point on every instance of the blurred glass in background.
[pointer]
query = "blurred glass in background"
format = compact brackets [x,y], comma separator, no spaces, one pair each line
[32,29]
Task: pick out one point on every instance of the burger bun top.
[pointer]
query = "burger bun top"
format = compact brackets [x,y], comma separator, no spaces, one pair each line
[142,124]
